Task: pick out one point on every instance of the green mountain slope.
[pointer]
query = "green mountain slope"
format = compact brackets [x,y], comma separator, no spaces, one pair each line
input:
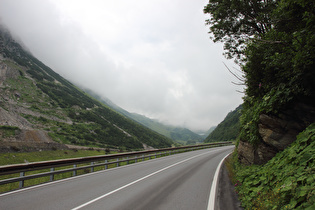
[228,129]
[175,133]
[34,97]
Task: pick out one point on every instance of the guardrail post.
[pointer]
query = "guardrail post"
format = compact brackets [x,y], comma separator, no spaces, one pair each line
[52,176]
[135,158]
[74,171]
[21,183]
[92,168]
[117,162]
[142,157]
[127,160]
[106,166]
[155,155]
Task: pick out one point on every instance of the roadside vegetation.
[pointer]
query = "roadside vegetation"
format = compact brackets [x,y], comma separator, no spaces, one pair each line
[286,182]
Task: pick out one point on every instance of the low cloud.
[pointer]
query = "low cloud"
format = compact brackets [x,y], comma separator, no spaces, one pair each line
[150,57]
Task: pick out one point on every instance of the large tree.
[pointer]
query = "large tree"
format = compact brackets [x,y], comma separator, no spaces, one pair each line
[284,56]
[234,22]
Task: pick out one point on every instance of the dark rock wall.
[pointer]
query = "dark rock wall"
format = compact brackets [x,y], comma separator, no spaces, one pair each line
[277,133]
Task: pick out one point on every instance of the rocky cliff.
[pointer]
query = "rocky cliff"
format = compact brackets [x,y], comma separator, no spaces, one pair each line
[277,132]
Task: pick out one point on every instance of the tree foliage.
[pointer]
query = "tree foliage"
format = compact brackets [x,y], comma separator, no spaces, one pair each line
[284,55]
[234,22]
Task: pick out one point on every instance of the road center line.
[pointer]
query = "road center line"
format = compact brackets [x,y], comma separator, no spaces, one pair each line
[138,180]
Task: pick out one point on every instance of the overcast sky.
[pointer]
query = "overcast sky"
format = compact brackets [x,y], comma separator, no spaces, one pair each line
[152,57]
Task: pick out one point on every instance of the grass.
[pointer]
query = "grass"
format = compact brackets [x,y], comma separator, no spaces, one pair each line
[17,157]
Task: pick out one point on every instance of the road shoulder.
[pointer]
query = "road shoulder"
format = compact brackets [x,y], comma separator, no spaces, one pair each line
[226,195]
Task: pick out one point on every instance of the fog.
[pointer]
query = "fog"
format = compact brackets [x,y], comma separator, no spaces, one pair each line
[150,57]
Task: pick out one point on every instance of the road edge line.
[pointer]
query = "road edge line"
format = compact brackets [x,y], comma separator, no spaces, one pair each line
[213,190]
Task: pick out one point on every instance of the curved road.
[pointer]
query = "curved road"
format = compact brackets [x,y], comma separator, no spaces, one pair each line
[181,181]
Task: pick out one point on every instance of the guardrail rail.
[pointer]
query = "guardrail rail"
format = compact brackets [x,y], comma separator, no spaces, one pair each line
[86,164]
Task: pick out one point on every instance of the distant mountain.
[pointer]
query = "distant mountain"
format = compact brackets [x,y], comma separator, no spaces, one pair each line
[228,129]
[176,133]
[36,103]
[205,134]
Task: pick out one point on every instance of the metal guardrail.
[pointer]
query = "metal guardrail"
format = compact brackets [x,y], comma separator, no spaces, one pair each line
[92,161]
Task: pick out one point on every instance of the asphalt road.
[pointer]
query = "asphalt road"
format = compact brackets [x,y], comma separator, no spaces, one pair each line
[182,181]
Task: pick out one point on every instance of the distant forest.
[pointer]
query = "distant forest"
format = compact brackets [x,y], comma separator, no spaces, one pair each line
[228,129]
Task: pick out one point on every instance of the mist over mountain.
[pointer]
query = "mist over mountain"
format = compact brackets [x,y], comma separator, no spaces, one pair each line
[179,134]
[161,66]
[205,134]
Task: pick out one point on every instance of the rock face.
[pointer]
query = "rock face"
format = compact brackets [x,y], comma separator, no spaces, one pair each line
[27,139]
[277,132]
[13,119]
[7,73]
[249,154]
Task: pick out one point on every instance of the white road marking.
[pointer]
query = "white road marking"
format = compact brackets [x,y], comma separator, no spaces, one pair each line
[213,190]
